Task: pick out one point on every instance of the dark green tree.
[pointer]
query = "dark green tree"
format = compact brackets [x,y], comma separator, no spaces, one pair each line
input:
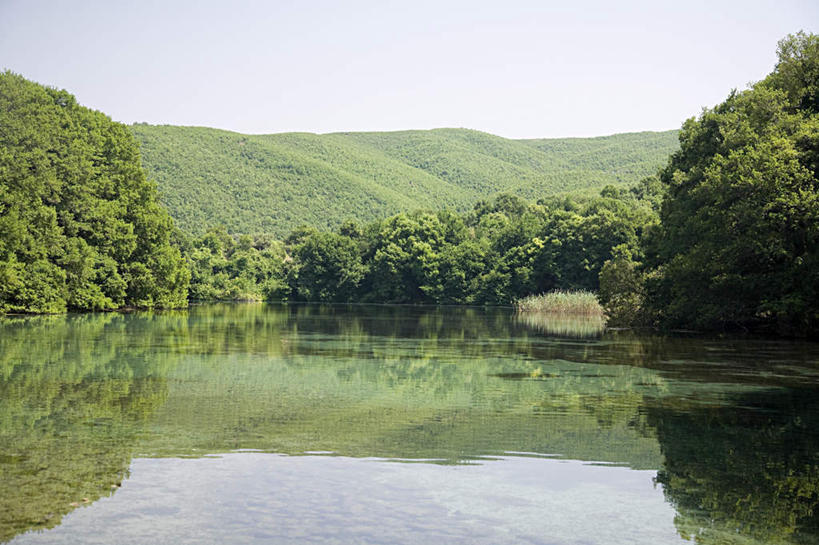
[329,268]
[80,226]
[739,240]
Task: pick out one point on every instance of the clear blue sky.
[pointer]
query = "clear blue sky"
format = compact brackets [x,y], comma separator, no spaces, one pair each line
[517,69]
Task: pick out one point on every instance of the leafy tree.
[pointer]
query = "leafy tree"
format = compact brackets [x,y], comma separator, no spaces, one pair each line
[246,269]
[80,226]
[329,268]
[406,260]
[502,250]
[622,290]
[461,268]
[739,240]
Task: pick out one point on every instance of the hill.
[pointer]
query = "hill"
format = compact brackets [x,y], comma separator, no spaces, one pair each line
[273,183]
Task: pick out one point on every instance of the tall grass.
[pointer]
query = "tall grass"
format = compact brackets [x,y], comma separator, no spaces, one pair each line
[578,303]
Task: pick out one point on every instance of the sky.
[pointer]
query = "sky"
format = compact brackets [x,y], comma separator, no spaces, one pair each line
[519,69]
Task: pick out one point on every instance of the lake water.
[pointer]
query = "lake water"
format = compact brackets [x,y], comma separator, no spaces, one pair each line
[254,423]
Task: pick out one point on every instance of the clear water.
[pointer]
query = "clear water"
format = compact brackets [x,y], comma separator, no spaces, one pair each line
[306,424]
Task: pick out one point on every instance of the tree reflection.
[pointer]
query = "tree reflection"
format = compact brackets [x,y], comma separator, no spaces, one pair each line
[80,396]
[743,471]
[75,391]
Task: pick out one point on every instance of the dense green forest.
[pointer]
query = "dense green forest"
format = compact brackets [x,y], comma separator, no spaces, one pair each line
[274,183]
[80,225]
[726,238]
[726,235]
[738,240]
[501,250]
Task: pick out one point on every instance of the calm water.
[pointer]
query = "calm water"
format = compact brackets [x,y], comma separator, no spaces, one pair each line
[306,424]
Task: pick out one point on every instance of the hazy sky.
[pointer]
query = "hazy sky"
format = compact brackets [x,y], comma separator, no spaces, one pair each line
[517,69]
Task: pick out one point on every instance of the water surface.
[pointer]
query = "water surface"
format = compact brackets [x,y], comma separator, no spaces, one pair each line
[305,424]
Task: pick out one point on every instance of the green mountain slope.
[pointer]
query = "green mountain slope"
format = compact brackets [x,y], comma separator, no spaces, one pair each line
[273,183]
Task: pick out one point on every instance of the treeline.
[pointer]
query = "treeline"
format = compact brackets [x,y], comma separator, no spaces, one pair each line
[274,183]
[80,225]
[726,236]
[500,251]
[737,245]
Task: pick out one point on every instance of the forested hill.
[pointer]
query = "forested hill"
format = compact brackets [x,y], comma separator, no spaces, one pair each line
[273,183]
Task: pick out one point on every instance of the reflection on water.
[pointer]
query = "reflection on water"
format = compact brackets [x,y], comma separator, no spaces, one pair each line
[751,468]
[728,427]
[561,325]
[266,498]
[73,393]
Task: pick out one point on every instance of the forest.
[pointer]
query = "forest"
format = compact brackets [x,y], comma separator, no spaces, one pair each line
[725,236]
[272,184]
[500,251]
[80,225]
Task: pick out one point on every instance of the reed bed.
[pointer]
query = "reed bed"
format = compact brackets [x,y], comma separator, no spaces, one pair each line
[575,303]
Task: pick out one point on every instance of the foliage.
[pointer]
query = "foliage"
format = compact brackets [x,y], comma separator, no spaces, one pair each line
[245,269]
[330,268]
[274,183]
[503,250]
[739,238]
[80,227]
[406,259]
[622,290]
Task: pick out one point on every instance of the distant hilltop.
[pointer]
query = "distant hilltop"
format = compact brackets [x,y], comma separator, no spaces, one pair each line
[273,183]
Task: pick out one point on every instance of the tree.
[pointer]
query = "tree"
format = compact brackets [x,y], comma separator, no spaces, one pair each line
[406,260]
[80,226]
[739,236]
[329,268]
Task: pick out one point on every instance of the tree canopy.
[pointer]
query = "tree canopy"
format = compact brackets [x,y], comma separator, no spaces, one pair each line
[502,250]
[273,183]
[80,226]
[739,236]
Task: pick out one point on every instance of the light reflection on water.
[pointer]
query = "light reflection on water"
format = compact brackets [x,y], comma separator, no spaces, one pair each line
[258,498]
[495,430]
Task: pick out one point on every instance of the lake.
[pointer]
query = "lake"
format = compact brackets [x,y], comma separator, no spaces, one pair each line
[255,423]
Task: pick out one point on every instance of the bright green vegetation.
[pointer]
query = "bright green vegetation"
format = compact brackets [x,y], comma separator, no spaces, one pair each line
[223,268]
[726,236]
[274,183]
[738,242]
[562,302]
[82,229]
[499,252]
[80,226]
[729,424]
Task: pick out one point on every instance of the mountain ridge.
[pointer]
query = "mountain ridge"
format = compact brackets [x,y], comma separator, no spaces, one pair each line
[271,183]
